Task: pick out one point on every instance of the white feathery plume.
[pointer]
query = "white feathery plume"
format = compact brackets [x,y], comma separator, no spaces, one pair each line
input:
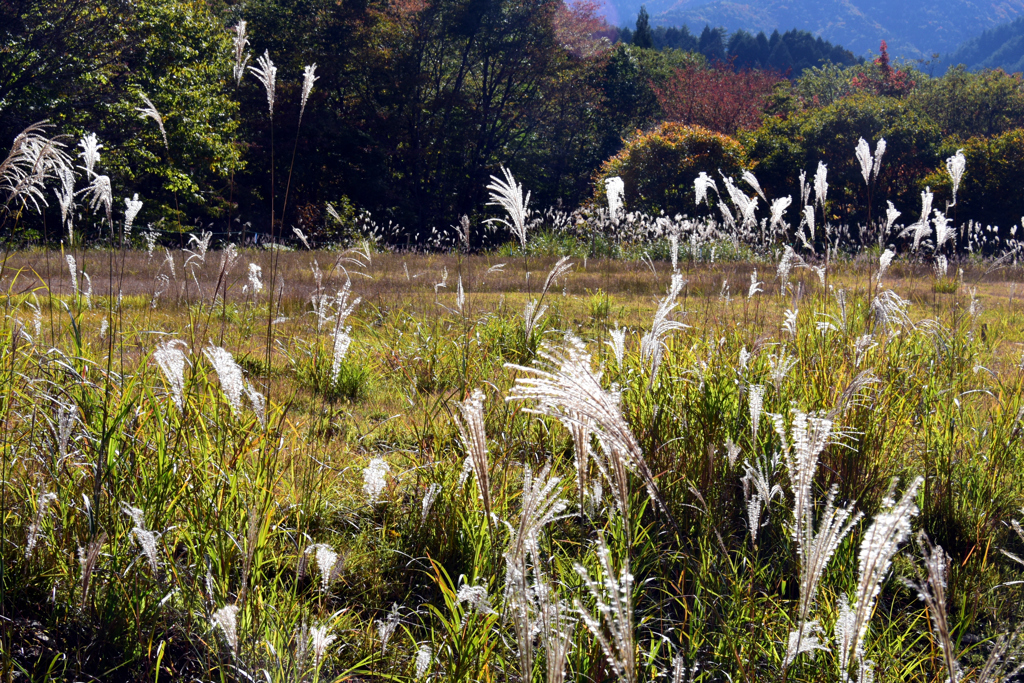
[266,73]
[229,374]
[805,188]
[808,638]
[891,214]
[755,403]
[302,237]
[749,178]
[241,57]
[145,538]
[470,422]
[90,153]
[571,392]
[386,627]
[560,268]
[320,639]
[758,476]
[863,154]
[227,618]
[612,621]
[132,208]
[476,597]
[820,184]
[33,160]
[889,529]
[701,184]
[255,285]
[955,166]
[617,342]
[746,205]
[99,194]
[616,190]
[73,270]
[780,366]
[922,228]
[932,590]
[328,562]
[755,285]
[509,195]
[810,435]
[309,77]
[789,322]
[42,502]
[732,451]
[942,231]
[170,356]
[375,479]
[531,315]
[555,627]
[809,219]
[884,261]
[779,207]
[879,152]
[819,547]
[541,504]
[428,500]
[423,658]
[652,344]
[889,310]
[150,112]
[66,197]
[460,296]
[87,289]
[258,402]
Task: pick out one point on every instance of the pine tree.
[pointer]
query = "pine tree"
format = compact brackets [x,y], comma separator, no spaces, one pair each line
[642,36]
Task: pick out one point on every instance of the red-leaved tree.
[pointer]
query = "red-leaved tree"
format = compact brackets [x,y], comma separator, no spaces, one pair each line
[882,79]
[718,97]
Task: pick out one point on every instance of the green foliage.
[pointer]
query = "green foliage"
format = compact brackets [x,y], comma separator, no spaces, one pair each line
[658,168]
[988,193]
[830,135]
[966,104]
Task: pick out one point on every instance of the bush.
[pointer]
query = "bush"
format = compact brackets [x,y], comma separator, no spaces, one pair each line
[351,383]
[989,191]
[658,167]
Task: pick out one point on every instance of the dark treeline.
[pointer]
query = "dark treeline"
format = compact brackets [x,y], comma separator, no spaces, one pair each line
[790,53]
[418,102]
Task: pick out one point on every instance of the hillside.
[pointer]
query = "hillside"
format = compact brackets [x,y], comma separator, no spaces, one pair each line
[1001,47]
[912,28]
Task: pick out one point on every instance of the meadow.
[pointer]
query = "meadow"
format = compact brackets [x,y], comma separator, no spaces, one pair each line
[223,464]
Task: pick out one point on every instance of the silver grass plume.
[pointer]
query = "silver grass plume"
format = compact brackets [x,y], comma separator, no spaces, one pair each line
[612,621]
[73,270]
[87,289]
[808,638]
[87,558]
[509,195]
[560,268]
[541,504]
[810,435]
[779,207]
[751,180]
[266,73]
[955,166]
[572,393]
[144,537]
[556,628]
[375,479]
[890,310]
[320,639]
[229,373]
[932,590]
[921,228]
[99,195]
[818,548]
[884,261]
[33,160]
[241,56]
[755,285]
[805,188]
[820,184]
[423,658]
[755,403]
[891,214]
[150,112]
[309,77]
[531,316]
[131,210]
[227,619]
[90,153]
[428,500]
[701,184]
[386,627]
[615,188]
[863,154]
[758,476]
[42,502]
[470,422]
[328,562]
[890,528]
[652,344]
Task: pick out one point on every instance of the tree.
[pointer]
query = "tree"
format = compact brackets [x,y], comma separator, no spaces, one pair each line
[717,98]
[642,35]
[966,104]
[658,168]
[711,44]
[881,78]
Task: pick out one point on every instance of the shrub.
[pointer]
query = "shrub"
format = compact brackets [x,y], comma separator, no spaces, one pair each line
[658,167]
[988,192]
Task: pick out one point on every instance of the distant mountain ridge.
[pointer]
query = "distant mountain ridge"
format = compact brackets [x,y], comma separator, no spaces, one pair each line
[913,29]
[1001,47]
